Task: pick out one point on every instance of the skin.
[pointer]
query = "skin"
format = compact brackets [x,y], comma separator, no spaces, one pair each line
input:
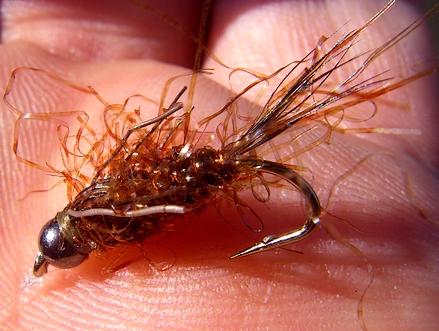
[280,289]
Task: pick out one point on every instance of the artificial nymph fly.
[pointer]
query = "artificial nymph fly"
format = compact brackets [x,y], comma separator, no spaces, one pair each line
[148,179]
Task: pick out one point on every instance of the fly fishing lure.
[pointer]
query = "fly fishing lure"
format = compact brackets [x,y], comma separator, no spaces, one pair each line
[148,181]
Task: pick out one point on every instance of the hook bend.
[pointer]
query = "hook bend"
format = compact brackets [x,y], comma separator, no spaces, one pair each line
[292,177]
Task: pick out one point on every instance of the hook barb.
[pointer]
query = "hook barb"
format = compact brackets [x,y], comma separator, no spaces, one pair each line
[274,241]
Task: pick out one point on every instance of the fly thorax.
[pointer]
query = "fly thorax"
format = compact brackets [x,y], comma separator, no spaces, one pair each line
[210,167]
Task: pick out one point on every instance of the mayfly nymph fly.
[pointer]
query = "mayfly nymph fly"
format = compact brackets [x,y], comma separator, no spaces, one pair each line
[147,182]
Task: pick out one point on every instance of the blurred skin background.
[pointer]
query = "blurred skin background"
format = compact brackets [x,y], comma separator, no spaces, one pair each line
[433,24]
[118,49]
